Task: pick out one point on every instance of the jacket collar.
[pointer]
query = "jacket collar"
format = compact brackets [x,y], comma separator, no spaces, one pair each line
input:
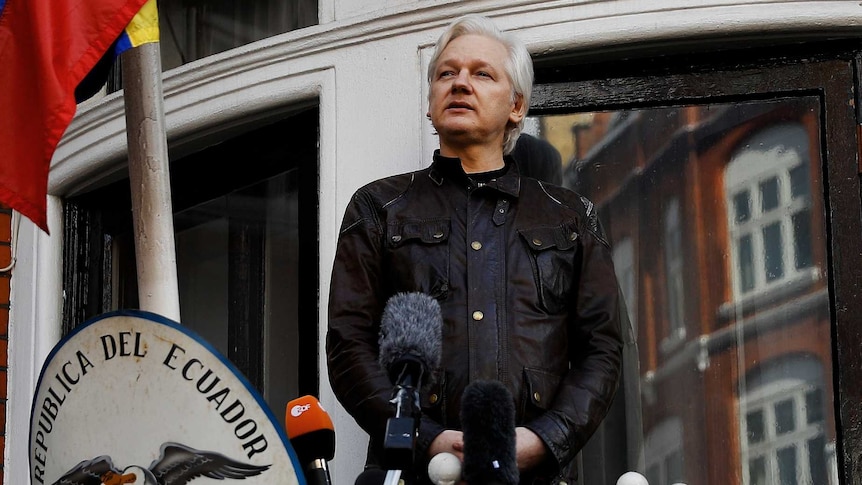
[450,168]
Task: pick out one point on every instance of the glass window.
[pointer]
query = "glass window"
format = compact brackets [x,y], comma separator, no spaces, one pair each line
[773,252]
[784,419]
[787,465]
[246,243]
[742,206]
[774,240]
[757,472]
[674,268]
[625,268]
[192,29]
[755,426]
[769,194]
[721,219]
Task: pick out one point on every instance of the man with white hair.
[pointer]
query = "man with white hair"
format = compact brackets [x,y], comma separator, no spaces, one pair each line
[521,269]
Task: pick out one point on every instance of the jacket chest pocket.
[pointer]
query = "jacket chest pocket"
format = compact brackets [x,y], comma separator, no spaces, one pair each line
[418,253]
[552,253]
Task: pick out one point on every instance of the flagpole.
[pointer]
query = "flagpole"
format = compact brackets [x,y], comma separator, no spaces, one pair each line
[149,175]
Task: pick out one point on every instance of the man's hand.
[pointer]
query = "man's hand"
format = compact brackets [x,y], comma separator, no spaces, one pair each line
[529,448]
[449,441]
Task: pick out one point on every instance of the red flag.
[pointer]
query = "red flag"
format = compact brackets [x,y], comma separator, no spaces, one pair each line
[46,49]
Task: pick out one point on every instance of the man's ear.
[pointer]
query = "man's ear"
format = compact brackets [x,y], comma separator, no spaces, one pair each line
[519,110]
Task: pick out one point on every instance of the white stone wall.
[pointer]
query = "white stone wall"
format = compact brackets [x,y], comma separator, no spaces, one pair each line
[364,64]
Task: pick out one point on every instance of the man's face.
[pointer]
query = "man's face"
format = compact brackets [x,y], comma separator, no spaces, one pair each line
[471,99]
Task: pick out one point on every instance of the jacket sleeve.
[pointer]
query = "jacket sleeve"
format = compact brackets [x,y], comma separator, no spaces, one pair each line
[595,352]
[356,302]
[358,380]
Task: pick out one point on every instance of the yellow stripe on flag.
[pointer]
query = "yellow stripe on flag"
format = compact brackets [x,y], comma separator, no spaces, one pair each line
[144,27]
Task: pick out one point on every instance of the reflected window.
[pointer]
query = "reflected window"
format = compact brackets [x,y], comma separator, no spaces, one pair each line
[663,452]
[624,266]
[783,427]
[768,191]
[674,267]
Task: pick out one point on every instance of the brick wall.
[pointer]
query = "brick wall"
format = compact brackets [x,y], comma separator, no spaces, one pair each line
[5,258]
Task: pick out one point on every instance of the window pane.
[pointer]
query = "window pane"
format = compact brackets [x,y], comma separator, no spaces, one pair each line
[746,263]
[742,207]
[784,417]
[769,194]
[755,426]
[757,471]
[192,29]
[773,252]
[803,252]
[799,182]
[787,472]
[814,406]
[817,460]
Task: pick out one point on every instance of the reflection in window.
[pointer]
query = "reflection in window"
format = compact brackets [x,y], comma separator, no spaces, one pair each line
[724,235]
[772,235]
[664,453]
[674,263]
[784,423]
[624,266]
[192,29]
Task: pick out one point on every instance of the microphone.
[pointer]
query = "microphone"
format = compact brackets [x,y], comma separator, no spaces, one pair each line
[488,424]
[410,347]
[444,469]
[312,436]
[371,476]
[410,337]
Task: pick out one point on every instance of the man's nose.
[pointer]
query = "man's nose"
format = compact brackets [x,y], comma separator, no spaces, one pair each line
[462,82]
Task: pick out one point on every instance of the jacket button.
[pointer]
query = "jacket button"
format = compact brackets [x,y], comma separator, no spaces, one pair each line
[537,396]
[537,242]
[477,315]
[573,236]
[396,238]
[433,398]
[476,245]
[437,235]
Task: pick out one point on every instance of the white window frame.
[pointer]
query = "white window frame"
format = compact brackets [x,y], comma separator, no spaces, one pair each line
[773,387]
[749,167]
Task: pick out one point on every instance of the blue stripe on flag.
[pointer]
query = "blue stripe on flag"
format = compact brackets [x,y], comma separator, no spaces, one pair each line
[124,43]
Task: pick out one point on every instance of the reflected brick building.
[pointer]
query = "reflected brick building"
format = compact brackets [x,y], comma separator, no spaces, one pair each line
[716,215]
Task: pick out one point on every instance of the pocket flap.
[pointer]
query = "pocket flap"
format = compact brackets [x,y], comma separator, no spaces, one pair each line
[431,395]
[432,231]
[541,238]
[541,387]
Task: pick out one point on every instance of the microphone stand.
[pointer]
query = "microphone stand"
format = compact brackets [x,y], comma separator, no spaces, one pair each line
[399,442]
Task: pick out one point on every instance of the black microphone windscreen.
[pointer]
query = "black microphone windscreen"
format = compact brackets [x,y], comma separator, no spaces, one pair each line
[488,424]
[371,476]
[410,331]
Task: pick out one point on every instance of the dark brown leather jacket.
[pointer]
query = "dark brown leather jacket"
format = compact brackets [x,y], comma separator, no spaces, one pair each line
[525,281]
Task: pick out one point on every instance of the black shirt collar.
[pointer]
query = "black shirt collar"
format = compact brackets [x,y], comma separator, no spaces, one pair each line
[450,168]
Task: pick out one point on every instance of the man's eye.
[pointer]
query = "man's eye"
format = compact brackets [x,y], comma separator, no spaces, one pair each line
[447,74]
[483,74]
